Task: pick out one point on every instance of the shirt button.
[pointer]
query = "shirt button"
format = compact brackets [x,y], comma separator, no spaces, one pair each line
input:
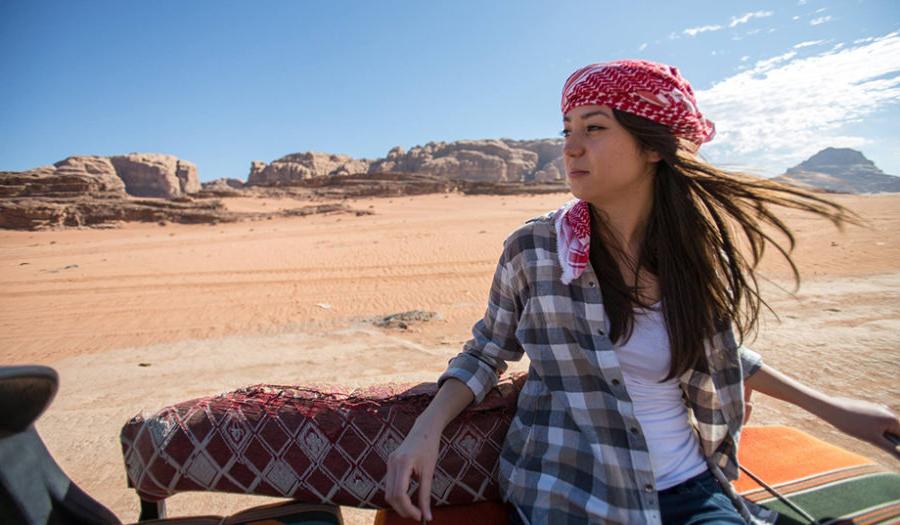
[615,382]
[592,284]
[648,488]
[600,331]
[635,431]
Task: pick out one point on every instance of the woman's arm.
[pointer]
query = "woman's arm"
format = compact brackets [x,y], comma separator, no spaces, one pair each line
[469,377]
[861,419]
[418,452]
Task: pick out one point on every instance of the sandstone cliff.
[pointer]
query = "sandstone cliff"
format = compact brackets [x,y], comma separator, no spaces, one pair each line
[71,177]
[102,191]
[297,167]
[501,160]
[156,175]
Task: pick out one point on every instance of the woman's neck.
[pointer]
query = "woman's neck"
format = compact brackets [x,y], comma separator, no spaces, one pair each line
[625,222]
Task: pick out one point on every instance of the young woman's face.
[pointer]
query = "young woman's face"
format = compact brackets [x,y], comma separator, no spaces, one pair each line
[603,161]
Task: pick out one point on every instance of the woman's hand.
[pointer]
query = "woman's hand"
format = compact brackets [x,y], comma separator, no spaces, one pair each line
[417,455]
[860,419]
[864,420]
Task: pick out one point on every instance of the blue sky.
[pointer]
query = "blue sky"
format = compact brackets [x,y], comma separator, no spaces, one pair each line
[224,83]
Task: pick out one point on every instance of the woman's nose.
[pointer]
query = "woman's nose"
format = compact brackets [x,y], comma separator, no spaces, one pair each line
[572,147]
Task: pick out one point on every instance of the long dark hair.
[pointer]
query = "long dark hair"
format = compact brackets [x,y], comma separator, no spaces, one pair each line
[701,216]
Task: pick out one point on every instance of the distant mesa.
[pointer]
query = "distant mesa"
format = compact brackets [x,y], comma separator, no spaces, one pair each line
[492,161]
[155,175]
[95,191]
[298,167]
[137,174]
[840,170]
[501,160]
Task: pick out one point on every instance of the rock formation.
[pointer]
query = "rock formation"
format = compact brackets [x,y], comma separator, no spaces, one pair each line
[489,161]
[156,175]
[841,170]
[94,191]
[501,160]
[225,187]
[297,167]
[71,177]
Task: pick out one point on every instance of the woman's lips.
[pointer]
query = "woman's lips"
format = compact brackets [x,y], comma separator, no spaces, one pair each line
[577,173]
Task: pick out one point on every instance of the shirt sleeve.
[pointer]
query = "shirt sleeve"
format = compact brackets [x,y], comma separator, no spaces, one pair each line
[750,361]
[494,341]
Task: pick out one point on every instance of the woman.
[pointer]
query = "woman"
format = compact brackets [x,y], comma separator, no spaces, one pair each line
[626,301]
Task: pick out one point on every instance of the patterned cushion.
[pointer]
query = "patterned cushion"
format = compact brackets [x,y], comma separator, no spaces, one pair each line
[316,444]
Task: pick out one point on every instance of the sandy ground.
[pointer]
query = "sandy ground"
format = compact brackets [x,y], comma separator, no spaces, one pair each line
[211,308]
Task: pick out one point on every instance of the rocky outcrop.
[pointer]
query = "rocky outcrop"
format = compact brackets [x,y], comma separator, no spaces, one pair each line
[137,174]
[71,177]
[477,160]
[489,161]
[90,191]
[156,175]
[225,187]
[297,167]
[841,170]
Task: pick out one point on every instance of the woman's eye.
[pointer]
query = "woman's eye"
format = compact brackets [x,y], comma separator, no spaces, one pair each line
[595,128]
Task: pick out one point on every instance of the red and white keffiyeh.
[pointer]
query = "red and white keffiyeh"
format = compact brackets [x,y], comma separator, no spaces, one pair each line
[573,238]
[651,90]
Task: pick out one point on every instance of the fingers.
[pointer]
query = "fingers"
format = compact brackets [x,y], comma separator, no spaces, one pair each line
[425,493]
[396,485]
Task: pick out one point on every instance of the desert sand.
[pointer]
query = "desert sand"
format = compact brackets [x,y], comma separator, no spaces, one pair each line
[144,316]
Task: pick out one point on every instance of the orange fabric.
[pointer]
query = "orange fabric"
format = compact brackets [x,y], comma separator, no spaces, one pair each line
[779,454]
[486,513]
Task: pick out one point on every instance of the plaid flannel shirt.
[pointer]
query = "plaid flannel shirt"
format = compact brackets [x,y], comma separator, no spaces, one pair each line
[575,452]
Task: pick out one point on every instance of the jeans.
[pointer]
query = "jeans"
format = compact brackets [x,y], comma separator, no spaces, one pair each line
[697,501]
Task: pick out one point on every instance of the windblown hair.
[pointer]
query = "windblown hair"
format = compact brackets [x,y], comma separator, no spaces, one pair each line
[701,218]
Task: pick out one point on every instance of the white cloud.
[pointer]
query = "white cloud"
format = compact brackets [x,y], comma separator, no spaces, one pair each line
[643,46]
[785,108]
[745,58]
[801,2]
[743,19]
[809,43]
[821,9]
[694,31]
[795,18]
[820,20]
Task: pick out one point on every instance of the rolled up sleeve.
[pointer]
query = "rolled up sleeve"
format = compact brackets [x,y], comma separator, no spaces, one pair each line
[750,362]
[493,342]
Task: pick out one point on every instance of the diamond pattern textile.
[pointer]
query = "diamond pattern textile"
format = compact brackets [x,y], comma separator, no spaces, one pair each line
[319,444]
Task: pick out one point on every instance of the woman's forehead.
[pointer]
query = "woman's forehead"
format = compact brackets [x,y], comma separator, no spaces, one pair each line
[587,111]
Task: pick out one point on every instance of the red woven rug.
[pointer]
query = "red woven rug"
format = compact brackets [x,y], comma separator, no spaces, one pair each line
[317,444]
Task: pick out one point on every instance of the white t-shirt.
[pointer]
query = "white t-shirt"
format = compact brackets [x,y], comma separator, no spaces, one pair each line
[645,359]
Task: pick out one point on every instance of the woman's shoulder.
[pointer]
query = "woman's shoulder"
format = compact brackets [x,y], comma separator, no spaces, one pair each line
[537,234]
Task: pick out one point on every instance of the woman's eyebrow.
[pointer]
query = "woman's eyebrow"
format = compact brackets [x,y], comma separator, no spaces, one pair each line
[591,114]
